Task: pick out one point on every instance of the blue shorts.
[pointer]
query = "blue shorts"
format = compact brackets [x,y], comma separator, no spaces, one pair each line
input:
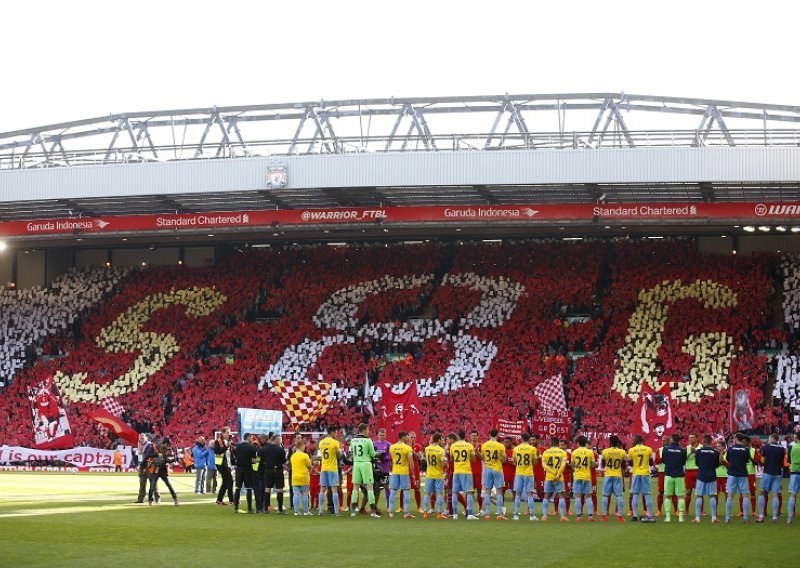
[434,486]
[399,481]
[462,482]
[582,486]
[640,484]
[523,484]
[738,485]
[612,486]
[492,479]
[553,486]
[329,478]
[298,489]
[771,483]
[794,483]
[705,488]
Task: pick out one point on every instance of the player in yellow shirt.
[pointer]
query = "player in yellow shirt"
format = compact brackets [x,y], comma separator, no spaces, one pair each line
[401,454]
[641,458]
[330,452]
[493,456]
[524,459]
[554,460]
[582,464]
[463,454]
[434,476]
[301,476]
[613,459]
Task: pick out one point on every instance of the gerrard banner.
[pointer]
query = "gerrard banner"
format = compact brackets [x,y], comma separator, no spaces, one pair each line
[528,213]
[549,422]
[79,457]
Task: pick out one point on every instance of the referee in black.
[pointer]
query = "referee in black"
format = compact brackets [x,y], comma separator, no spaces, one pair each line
[246,454]
[273,458]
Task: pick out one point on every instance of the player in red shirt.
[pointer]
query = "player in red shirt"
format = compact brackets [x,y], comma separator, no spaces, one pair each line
[477,468]
[509,468]
[538,470]
[413,470]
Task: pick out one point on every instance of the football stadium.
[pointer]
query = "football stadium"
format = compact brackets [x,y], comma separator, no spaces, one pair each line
[534,328]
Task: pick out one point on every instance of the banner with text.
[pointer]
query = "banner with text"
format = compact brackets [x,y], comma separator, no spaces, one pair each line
[548,422]
[510,428]
[628,212]
[79,457]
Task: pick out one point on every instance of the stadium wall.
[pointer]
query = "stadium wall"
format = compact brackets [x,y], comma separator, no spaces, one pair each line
[508,167]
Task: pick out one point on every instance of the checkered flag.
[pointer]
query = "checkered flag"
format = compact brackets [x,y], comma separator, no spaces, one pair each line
[551,393]
[303,401]
[112,406]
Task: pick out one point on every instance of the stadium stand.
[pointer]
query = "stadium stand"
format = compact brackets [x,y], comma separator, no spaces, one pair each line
[33,315]
[478,325]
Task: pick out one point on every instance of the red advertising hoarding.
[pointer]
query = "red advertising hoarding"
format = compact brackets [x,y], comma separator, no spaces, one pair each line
[745,212]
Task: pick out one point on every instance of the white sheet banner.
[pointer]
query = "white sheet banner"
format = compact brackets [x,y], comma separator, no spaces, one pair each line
[79,457]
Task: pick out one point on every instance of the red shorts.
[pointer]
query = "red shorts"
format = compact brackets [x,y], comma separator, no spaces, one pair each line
[477,480]
[691,478]
[722,485]
[661,482]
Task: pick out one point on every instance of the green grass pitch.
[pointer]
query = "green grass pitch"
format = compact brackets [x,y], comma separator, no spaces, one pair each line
[62,520]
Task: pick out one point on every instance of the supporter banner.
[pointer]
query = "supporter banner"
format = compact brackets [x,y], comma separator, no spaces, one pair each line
[117,424]
[79,457]
[50,423]
[548,422]
[741,410]
[398,412]
[597,438]
[652,414]
[362,215]
[510,428]
[257,421]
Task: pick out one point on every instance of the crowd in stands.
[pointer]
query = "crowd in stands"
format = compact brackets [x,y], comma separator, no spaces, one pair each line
[477,325]
[30,317]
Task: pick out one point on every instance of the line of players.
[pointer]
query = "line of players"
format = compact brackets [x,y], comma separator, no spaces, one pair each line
[705,468]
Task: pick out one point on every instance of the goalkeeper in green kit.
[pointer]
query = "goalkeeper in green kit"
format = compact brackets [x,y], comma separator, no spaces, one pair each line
[362,452]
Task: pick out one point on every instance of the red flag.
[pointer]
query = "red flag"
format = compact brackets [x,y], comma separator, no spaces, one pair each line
[741,410]
[50,423]
[120,428]
[398,412]
[652,414]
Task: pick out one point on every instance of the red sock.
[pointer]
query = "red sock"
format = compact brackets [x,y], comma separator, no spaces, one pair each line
[480,500]
[753,504]
[567,505]
[341,498]
[594,501]
[660,500]
[462,500]
[630,501]
[418,498]
[674,503]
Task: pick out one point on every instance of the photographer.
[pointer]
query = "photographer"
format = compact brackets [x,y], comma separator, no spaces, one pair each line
[157,466]
[223,461]
[144,449]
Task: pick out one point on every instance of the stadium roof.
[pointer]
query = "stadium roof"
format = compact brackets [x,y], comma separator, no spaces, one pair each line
[567,121]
